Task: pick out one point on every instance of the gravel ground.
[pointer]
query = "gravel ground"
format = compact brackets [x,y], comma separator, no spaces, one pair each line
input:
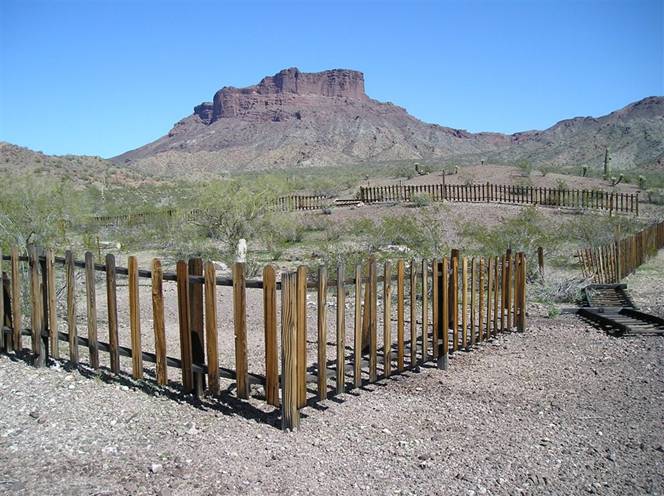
[559,409]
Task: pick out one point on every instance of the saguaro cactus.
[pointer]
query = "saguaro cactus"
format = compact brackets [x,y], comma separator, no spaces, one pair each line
[606,162]
[584,170]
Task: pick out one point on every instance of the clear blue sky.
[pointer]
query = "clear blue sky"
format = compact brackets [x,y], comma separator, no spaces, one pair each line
[102,77]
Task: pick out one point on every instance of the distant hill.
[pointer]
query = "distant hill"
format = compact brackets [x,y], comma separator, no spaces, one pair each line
[77,168]
[634,136]
[296,119]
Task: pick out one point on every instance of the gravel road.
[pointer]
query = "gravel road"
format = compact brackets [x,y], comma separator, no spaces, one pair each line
[560,409]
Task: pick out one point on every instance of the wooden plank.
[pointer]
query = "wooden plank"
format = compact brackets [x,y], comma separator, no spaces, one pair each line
[473,302]
[489,296]
[413,313]
[522,293]
[210,289]
[91,301]
[135,320]
[454,299]
[302,335]
[366,311]
[387,319]
[357,341]
[17,319]
[341,329]
[71,307]
[400,314]
[480,290]
[290,414]
[36,314]
[503,292]
[182,272]
[425,311]
[51,293]
[445,311]
[158,322]
[196,323]
[4,343]
[322,333]
[373,324]
[112,305]
[464,303]
[240,326]
[435,309]
[510,277]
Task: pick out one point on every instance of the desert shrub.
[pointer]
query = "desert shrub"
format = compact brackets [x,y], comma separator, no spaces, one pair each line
[545,169]
[40,211]
[655,196]
[524,232]
[420,200]
[230,210]
[562,185]
[525,167]
[557,289]
[404,170]
[594,229]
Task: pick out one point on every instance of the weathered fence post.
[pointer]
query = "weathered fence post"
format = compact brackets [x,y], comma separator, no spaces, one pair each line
[91,300]
[301,301]
[36,316]
[290,414]
[210,287]
[51,306]
[240,326]
[157,322]
[357,334]
[134,320]
[387,319]
[444,313]
[341,329]
[196,323]
[112,305]
[17,320]
[71,307]
[183,319]
[322,333]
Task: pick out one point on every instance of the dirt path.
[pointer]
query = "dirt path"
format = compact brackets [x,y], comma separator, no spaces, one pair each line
[560,409]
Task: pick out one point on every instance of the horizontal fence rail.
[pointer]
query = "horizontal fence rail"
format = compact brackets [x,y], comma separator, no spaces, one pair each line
[497,193]
[611,262]
[388,318]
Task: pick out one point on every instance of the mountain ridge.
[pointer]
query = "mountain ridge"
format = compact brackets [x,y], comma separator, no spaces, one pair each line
[295,118]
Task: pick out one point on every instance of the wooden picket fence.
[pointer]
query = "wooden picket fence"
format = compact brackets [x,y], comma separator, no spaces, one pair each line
[290,203]
[497,193]
[287,203]
[611,262]
[454,303]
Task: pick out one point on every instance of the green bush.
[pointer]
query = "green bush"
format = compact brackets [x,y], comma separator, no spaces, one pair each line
[420,200]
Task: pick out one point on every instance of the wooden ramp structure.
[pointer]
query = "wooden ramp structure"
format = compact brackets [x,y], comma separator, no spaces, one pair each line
[609,307]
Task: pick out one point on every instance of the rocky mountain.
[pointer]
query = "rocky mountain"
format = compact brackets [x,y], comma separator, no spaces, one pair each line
[316,119]
[634,136]
[301,119]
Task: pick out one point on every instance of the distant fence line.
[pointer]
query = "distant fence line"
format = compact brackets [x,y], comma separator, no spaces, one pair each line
[497,193]
[611,262]
[474,193]
[286,203]
[461,303]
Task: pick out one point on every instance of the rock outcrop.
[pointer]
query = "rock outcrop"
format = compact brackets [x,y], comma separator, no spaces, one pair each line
[296,118]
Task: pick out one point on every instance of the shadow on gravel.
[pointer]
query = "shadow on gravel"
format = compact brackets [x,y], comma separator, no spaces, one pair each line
[227,403]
